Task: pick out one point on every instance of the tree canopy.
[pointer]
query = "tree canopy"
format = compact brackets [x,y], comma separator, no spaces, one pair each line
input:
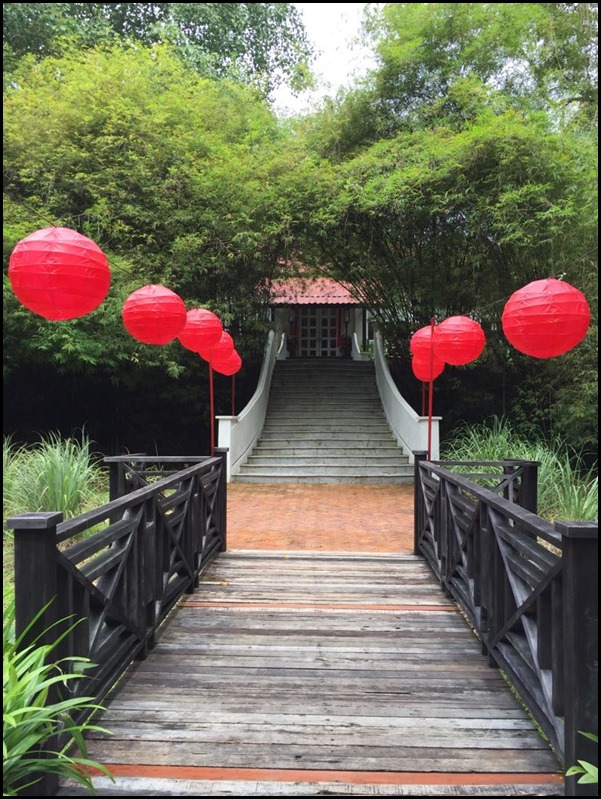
[264,44]
[540,54]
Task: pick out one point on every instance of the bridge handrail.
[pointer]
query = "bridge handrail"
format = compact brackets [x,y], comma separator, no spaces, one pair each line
[239,434]
[410,429]
[528,586]
[120,582]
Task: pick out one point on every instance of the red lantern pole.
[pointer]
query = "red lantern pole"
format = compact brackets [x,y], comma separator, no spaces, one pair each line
[431,392]
[233,395]
[211,406]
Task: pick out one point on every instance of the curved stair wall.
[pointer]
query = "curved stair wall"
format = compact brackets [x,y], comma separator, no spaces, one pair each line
[409,429]
[239,434]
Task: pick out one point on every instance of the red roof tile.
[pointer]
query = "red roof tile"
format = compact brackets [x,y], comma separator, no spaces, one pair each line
[311,291]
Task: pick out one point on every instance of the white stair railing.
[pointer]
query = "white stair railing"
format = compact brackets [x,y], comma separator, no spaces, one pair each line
[356,353]
[409,429]
[239,434]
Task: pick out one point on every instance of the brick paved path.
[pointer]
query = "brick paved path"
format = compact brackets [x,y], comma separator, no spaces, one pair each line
[330,518]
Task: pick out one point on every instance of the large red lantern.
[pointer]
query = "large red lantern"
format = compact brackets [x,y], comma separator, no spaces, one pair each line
[546,318]
[228,365]
[421,368]
[154,314]
[220,350]
[420,344]
[59,274]
[203,330]
[459,340]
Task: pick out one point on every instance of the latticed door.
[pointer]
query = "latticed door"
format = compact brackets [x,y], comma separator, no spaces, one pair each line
[307,339]
[318,332]
[329,332]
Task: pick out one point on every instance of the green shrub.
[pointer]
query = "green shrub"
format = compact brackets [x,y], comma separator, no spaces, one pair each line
[54,475]
[32,723]
[565,490]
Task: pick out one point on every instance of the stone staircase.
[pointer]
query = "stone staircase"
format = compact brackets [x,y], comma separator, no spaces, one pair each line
[325,424]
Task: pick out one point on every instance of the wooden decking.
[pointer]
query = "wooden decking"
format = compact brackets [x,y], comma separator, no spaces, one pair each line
[299,673]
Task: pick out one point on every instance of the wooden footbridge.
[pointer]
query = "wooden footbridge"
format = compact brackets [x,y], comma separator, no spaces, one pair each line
[296,673]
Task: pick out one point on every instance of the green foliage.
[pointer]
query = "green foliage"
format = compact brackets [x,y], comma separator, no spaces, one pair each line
[539,54]
[463,168]
[445,221]
[263,44]
[55,475]
[179,179]
[589,773]
[33,718]
[566,490]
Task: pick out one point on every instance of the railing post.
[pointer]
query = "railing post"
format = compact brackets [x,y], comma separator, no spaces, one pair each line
[115,480]
[35,572]
[222,496]
[35,586]
[418,499]
[580,641]
[528,494]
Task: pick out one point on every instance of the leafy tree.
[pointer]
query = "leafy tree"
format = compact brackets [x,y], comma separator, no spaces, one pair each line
[260,43]
[445,222]
[544,54]
[464,168]
[180,179]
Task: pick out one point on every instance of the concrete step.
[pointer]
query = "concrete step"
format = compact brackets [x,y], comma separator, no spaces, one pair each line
[328,400]
[358,416]
[266,477]
[325,424]
[318,461]
[333,425]
[292,437]
[312,392]
[304,449]
[310,468]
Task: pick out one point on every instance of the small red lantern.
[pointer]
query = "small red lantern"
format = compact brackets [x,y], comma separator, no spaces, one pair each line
[59,274]
[421,368]
[420,344]
[203,330]
[229,365]
[546,318]
[154,314]
[459,340]
[219,351]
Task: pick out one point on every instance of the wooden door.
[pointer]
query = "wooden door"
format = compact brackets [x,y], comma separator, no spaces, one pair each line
[318,332]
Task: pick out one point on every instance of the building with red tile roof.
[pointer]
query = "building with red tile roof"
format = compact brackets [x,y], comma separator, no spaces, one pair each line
[319,315]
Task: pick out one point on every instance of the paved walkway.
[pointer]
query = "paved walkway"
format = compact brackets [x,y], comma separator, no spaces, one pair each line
[321,517]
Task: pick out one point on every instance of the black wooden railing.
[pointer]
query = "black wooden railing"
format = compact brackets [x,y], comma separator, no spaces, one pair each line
[528,587]
[120,568]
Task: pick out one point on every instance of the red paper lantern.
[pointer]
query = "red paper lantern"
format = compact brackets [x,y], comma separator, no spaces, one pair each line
[219,351]
[203,329]
[421,342]
[546,318]
[228,366]
[154,314]
[59,274]
[421,368]
[459,340]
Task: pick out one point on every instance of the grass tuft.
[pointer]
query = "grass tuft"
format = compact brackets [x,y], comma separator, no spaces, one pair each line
[566,490]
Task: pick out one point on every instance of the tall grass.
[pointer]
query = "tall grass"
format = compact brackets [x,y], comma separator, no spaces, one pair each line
[53,475]
[566,490]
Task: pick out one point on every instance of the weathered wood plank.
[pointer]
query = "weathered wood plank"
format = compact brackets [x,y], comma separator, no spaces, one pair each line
[127,786]
[268,685]
[303,755]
